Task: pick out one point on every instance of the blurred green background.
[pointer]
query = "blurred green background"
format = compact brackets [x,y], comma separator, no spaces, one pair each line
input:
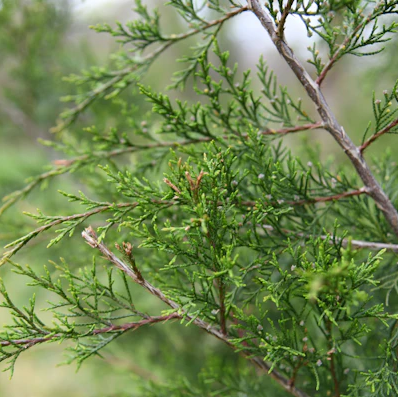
[40,42]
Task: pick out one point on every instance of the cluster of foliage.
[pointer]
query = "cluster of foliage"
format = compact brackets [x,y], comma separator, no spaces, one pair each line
[277,257]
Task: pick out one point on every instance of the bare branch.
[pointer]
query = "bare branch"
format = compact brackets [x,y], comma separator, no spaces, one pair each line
[358,192]
[330,353]
[91,238]
[290,130]
[368,245]
[330,122]
[333,59]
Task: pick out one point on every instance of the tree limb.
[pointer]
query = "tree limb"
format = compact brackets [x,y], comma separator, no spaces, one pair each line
[330,122]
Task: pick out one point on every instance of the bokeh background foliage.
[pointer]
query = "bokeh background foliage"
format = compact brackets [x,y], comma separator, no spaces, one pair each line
[41,42]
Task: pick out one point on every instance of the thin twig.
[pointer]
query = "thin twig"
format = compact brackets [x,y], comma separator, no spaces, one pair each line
[367,244]
[330,122]
[290,130]
[383,131]
[358,192]
[209,25]
[29,342]
[332,60]
[313,200]
[91,238]
[359,244]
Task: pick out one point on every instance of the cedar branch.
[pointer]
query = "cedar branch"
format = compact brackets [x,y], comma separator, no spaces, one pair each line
[126,72]
[66,165]
[91,239]
[378,134]
[109,206]
[29,342]
[330,122]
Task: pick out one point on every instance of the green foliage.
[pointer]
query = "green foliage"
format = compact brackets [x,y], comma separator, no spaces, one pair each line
[384,112]
[264,248]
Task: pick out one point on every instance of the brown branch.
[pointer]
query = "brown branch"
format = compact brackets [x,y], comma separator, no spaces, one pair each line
[383,131]
[282,21]
[296,369]
[332,61]
[334,376]
[335,197]
[330,122]
[269,131]
[359,244]
[290,130]
[174,187]
[314,200]
[29,342]
[209,25]
[91,238]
